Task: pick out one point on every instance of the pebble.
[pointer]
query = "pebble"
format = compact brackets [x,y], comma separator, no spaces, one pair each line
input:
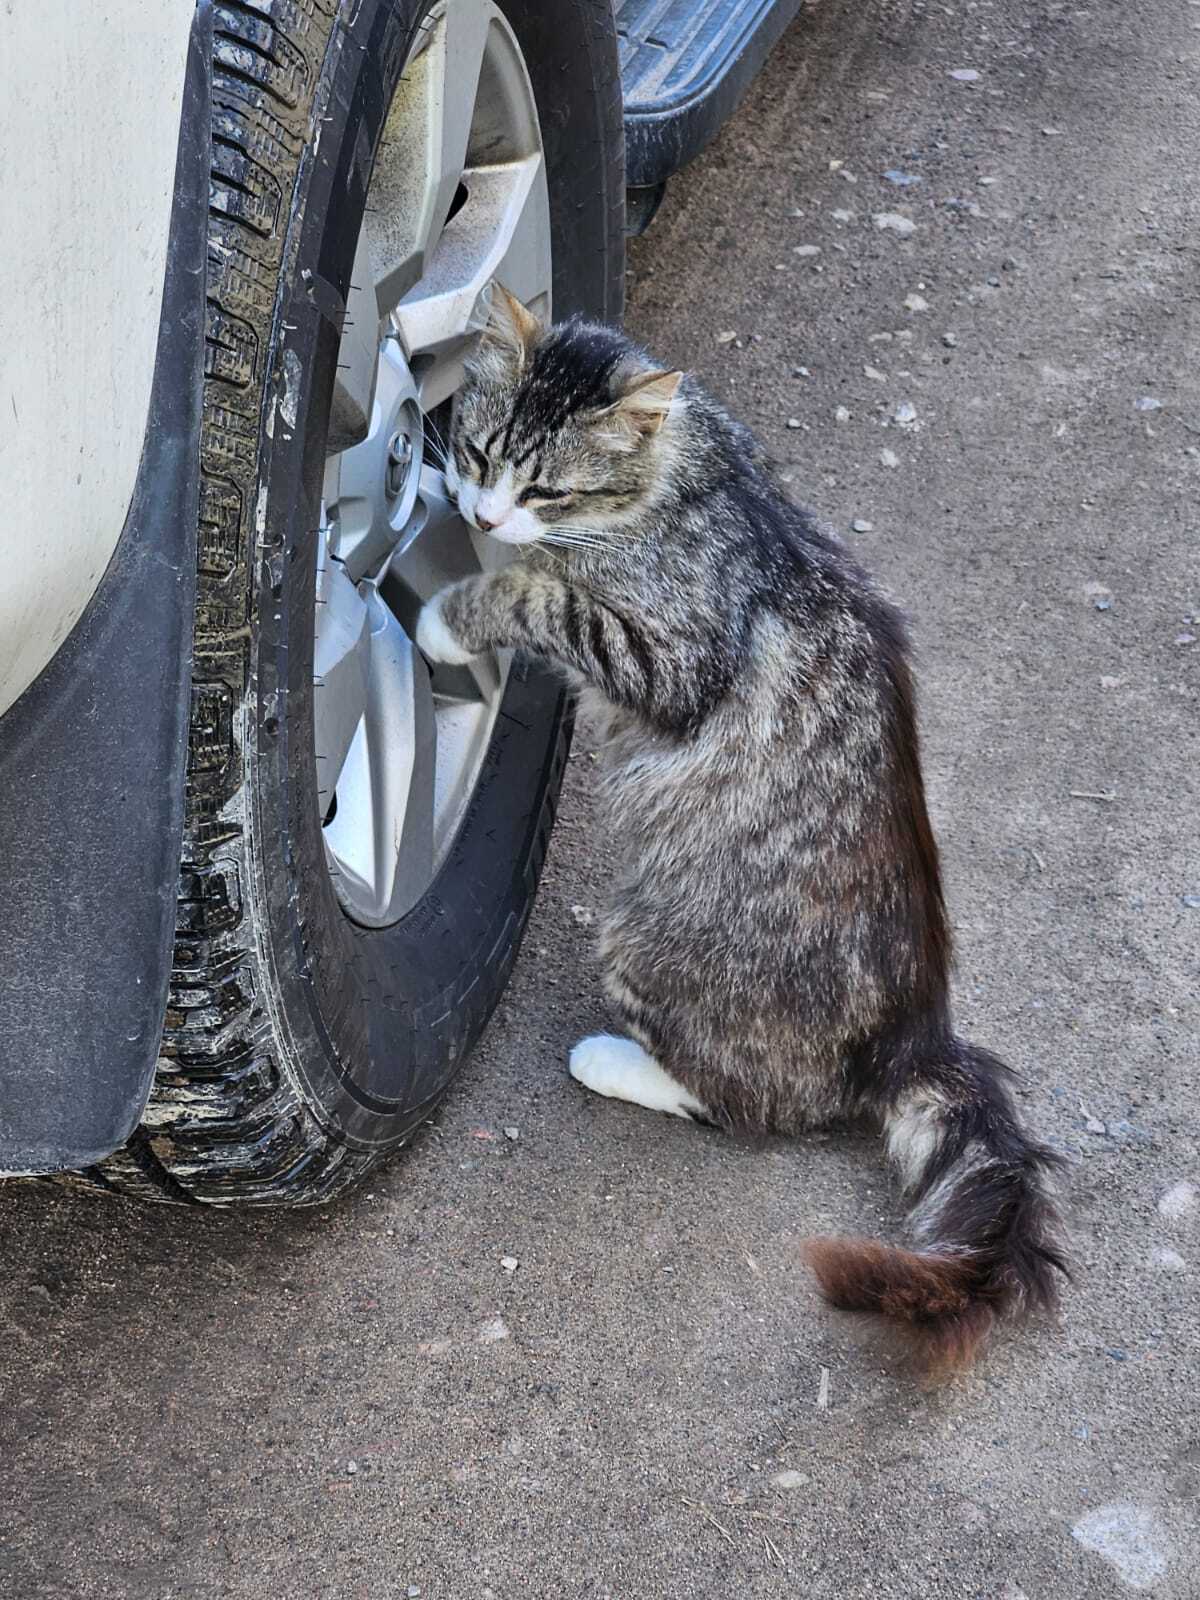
[1117,1355]
[861,525]
[1191,901]
[893,222]
[1179,1200]
[905,414]
[412,1592]
[916,302]
[1185,638]
[1170,1261]
[1094,1125]
[902,180]
[801,372]
[512,1133]
[352,1467]
[988,182]
[880,377]
[727,337]
[950,340]
[806,249]
[509,1263]
[583,916]
[1147,402]
[842,215]
[494,1331]
[841,414]
[993,282]
[964,75]
[790,1480]
[1081,1431]
[889,458]
[794,422]
[1130,1538]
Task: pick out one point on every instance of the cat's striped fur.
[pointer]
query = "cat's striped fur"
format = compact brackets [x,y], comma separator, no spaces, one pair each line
[776,938]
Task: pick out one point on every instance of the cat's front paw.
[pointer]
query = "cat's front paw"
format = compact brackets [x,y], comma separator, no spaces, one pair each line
[436,640]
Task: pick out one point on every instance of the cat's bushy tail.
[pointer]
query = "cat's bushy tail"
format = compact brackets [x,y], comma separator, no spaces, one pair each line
[984,1230]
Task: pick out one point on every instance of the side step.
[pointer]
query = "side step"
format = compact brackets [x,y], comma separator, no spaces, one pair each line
[685,64]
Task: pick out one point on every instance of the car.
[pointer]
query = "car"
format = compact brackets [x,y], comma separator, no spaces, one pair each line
[264,869]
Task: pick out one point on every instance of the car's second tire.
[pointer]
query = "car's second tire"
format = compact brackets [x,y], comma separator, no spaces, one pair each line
[300,1047]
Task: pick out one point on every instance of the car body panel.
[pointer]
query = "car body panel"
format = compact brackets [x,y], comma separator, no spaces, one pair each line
[89,121]
[93,755]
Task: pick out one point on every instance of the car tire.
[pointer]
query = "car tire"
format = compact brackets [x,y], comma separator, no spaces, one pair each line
[301,1047]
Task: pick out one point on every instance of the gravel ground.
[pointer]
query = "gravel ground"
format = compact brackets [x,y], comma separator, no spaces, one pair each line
[652,1402]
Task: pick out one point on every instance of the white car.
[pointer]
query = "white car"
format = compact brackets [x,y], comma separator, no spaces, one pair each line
[263,871]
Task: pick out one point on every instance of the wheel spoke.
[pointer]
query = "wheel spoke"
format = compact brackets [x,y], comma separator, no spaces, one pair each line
[381,834]
[341,667]
[358,358]
[366,518]
[416,178]
[500,235]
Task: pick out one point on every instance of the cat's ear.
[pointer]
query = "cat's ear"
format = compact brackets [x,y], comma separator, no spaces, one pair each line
[646,399]
[508,337]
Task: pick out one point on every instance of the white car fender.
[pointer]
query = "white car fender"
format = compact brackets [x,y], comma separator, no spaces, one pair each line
[89,122]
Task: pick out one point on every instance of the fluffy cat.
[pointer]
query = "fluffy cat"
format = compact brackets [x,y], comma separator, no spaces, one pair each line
[776,942]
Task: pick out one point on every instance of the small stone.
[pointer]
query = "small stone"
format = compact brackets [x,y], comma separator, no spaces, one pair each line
[1191,901]
[950,340]
[880,338]
[987,182]
[509,1263]
[861,525]
[916,302]
[494,1331]
[902,180]
[1051,133]
[1147,402]
[1009,264]
[1170,1261]
[512,1133]
[1103,605]
[893,222]
[412,1592]
[874,374]
[964,75]
[1117,1355]
[1108,682]
[583,916]
[993,282]
[806,250]
[794,422]
[1185,638]
[352,1467]
[727,337]
[1094,1125]
[889,458]
[1178,1202]
[841,414]
[905,414]
[1081,1431]
[790,1479]
[801,372]
[842,215]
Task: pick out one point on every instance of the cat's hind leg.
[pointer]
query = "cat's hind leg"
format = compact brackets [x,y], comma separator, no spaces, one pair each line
[622,1070]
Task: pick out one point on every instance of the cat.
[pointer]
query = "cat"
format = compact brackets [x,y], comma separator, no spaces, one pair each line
[776,942]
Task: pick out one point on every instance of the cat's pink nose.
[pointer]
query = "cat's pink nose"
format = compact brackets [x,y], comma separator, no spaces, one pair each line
[483,524]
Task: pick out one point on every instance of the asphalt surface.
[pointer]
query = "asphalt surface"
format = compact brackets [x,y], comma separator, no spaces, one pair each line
[365,1403]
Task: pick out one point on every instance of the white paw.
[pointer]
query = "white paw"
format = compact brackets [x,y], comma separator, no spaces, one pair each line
[622,1070]
[434,639]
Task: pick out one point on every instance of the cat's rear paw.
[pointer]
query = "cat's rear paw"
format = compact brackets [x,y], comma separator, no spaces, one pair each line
[622,1070]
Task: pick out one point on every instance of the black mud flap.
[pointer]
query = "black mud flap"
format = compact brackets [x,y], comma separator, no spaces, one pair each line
[92,761]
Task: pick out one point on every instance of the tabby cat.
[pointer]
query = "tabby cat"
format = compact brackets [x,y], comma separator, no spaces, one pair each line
[776,943]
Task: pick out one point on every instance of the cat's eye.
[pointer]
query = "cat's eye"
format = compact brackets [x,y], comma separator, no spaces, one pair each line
[539,491]
[476,455]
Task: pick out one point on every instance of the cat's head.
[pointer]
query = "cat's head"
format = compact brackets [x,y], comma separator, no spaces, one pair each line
[557,434]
